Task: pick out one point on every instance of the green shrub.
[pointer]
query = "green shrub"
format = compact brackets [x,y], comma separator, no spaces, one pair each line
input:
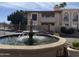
[56,34]
[75,44]
[67,31]
[78,30]
[70,31]
[63,29]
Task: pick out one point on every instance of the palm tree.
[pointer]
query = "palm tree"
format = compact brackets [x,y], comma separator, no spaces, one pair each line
[56,5]
[61,5]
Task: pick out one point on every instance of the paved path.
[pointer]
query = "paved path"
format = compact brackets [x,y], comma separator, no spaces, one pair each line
[2,33]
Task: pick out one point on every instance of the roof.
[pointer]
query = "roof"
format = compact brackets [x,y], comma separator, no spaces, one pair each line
[45,11]
[55,10]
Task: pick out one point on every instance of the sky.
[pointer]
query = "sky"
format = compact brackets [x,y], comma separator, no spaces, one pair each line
[6,8]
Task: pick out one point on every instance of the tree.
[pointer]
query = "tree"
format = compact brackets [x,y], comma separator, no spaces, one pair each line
[18,20]
[61,5]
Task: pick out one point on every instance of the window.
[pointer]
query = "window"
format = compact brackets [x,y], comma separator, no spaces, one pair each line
[66,24]
[34,16]
[44,23]
[75,17]
[66,17]
[52,24]
[48,14]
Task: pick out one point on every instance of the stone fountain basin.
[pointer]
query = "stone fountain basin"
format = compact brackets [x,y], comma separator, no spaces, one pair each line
[45,50]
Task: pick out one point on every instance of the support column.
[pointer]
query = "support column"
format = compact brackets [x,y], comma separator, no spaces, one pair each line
[48,27]
[78,21]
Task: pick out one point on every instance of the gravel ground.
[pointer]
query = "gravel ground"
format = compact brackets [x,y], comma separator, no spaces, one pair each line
[71,39]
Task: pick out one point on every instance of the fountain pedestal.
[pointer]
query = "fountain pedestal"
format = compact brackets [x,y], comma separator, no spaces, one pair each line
[30,40]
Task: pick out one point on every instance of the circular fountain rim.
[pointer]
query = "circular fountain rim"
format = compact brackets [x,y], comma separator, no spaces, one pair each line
[27,47]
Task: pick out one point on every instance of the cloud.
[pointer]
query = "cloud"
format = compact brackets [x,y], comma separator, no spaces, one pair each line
[12,5]
[29,5]
[6,5]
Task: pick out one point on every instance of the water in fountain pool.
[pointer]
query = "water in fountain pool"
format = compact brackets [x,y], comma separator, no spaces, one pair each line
[20,40]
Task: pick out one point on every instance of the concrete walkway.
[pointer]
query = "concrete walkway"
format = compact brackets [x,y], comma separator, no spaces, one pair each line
[2,33]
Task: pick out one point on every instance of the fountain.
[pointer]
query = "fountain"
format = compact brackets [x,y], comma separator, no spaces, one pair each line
[32,44]
[30,40]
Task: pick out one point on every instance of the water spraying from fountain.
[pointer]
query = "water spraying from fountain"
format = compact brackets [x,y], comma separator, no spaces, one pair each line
[30,39]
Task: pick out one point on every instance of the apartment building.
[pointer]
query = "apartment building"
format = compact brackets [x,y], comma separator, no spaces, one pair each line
[54,20]
[70,18]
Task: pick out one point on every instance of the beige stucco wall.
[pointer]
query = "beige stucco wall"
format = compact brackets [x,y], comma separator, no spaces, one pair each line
[70,22]
[48,52]
[58,20]
[73,52]
[41,19]
[48,20]
[30,17]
